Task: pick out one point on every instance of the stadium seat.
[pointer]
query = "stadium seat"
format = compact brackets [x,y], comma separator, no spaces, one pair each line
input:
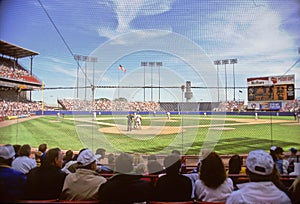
[60,201]
[38,201]
[170,202]
[78,201]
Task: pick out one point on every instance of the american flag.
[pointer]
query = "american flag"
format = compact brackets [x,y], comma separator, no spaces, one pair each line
[122,68]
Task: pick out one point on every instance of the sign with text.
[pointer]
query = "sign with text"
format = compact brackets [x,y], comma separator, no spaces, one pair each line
[273,88]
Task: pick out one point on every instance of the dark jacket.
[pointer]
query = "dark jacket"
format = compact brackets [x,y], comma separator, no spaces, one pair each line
[12,183]
[122,188]
[174,187]
[45,183]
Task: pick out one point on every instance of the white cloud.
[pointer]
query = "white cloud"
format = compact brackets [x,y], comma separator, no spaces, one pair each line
[57,60]
[126,11]
[62,70]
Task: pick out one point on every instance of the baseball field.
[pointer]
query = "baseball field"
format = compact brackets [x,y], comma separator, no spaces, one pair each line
[158,134]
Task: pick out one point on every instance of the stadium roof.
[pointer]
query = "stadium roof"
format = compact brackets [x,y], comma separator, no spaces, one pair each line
[15,51]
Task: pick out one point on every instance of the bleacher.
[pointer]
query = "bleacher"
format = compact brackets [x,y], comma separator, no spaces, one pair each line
[285,179]
[11,70]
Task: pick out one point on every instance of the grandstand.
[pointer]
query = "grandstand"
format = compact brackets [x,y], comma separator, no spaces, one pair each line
[13,76]
[16,82]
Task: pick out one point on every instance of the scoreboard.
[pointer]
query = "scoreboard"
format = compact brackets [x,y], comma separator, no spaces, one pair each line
[271,93]
[272,89]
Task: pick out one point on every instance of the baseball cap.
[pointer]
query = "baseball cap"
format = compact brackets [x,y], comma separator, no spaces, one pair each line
[7,151]
[260,162]
[293,149]
[273,148]
[86,157]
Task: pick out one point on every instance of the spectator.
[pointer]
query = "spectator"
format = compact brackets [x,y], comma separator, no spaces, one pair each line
[153,166]
[204,153]
[137,159]
[292,159]
[46,181]
[43,149]
[68,157]
[125,187]
[164,190]
[23,162]
[272,153]
[12,182]
[295,187]
[183,167]
[37,156]
[85,182]
[16,148]
[275,178]
[140,169]
[213,184]
[71,166]
[282,164]
[111,160]
[100,154]
[236,167]
[260,189]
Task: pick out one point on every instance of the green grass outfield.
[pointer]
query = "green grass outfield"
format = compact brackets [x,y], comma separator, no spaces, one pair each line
[237,135]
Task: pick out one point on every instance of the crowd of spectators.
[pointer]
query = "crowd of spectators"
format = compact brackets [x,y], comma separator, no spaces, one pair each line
[231,106]
[291,106]
[12,108]
[107,105]
[10,69]
[26,180]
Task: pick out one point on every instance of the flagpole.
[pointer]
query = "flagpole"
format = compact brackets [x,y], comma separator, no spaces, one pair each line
[43,99]
[118,84]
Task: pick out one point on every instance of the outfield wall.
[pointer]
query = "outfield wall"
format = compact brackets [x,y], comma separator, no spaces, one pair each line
[260,113]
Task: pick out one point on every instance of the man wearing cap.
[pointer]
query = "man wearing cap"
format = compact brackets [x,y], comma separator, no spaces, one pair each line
[260,189]
[12,182]
[84,183]
[281,162]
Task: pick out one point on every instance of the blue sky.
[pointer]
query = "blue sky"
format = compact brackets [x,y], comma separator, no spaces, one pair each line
[185,35]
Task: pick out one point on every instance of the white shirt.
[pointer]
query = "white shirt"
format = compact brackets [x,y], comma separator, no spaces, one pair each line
[194,177]
[23,164]
[258,193]
[82,185]
[204,193]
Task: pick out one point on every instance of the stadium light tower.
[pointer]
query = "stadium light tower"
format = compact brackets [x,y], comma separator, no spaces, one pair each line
[94,60]
[85,59]
[151,65]
[144,64]
[233,61]
[226,61]
[158,64]
[77,58]
[218,62]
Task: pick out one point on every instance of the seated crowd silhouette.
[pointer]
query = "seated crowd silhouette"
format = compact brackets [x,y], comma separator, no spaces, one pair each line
[57,176]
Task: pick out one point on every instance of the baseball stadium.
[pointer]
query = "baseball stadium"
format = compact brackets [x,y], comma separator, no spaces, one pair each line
[114,79]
